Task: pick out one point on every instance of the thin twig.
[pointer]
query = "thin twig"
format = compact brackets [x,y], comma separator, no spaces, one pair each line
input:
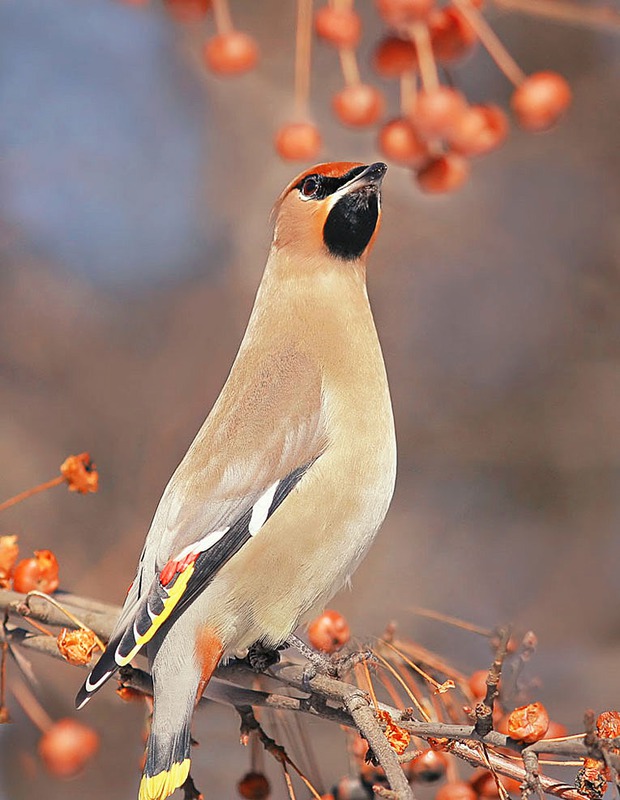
[601,17]
[42,487]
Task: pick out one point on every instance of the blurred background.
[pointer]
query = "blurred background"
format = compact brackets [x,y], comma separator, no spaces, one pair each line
[135,193]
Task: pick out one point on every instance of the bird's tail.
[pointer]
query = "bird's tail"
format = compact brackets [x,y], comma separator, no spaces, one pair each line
[182,668]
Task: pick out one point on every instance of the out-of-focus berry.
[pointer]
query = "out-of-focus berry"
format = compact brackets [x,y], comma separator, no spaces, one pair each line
[540,100]
[358,105]
[478,130]
[428,767]
[329,631]
[341,27]
[436,113]
[230,53]
[452,37]
[254,786]
[187,10]
[456,790]
[443,174]
[298,141]
[402,12]
[398,141]
[67,747]
[393,56]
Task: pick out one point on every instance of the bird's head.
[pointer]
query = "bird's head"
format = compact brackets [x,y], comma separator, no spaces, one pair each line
[331,209]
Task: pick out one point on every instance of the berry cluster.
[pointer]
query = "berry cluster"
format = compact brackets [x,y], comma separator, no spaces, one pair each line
[436,131]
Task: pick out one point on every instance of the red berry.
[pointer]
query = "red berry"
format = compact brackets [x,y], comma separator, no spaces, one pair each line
[478,130]
[528,723]
[478,683]
[329,631]
[40,572]
[398,141]
[341,27]
[298,141]
[67,746]
[541,100]
[555,730]
[187,10]
[456,790]
[401,12]
[358,105]
[429,766]
[231,53]
[443,174]
[452,37]
[393,56]
[254,786]
[435,113]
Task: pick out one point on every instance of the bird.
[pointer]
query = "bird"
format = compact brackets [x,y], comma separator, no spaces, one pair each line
[288,480]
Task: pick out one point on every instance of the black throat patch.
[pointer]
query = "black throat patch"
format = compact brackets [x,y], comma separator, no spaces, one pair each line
[351,223]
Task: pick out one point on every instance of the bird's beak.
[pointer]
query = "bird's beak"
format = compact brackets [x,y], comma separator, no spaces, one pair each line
[372,176]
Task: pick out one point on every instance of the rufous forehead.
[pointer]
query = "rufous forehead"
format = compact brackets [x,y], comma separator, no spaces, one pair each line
[333,169]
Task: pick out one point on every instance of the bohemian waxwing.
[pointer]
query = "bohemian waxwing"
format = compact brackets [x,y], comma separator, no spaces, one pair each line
[287,482]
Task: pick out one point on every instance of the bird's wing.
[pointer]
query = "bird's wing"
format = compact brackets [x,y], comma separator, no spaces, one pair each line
[249,455]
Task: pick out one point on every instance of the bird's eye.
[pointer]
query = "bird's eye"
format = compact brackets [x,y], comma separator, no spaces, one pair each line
[309,187]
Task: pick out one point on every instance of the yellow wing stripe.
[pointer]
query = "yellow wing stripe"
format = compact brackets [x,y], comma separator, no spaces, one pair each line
[160,786]
[174,595]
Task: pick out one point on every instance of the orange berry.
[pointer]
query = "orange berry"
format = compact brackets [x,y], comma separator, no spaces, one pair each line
[452,37]
[435,113]
[541,100]
[555,730]
[398,141]
[80,473]
[608,724]
[483,783]
[477,682]
[341,27]
[67,747]
[478,130]
[254,786]
[393,56]
[76,646]
[230,53]
[428,767]
[443,174]
[329,631]
[528,723]
[9,551]
[40,572]
[358,105]
[187,10]
[400,12]
[456,790]
[298,141]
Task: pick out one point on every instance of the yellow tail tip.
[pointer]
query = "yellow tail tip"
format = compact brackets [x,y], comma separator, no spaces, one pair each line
[160,786]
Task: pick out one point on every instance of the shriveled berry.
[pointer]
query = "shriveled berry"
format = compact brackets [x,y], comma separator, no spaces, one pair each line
[436,112]
[401,12]
[398,141]
[358,105]
[67,747]
[230,53]
[341,27]
[478,130]
[9,553]
[76,646]
[329,631]
[298,141]
[452,37]
[393,56]
[254,786]
[429,766]
[540,101]
[443,174]
[40,573]
[528,723]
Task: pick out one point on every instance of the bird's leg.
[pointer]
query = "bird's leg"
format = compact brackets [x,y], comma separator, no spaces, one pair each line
[318,663]
[260,658]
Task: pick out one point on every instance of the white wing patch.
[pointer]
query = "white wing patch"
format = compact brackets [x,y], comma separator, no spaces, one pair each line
[261,509]
[202,544]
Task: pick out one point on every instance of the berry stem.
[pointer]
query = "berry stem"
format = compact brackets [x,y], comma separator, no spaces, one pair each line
[303,56]
[348,64]
[491,42]
[408,91]
[31,706]
[223,20]
[603,17]
[29,492]
[428,67]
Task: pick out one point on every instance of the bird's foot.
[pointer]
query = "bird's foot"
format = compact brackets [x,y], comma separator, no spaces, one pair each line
[260,658]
